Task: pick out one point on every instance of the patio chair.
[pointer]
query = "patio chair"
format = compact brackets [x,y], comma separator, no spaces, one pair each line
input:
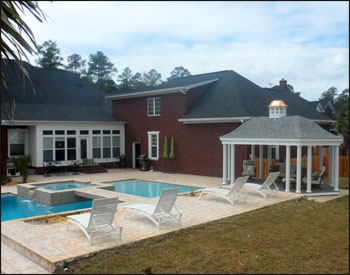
[316,178]
[231,195]
[265,188]
[249,168]
[100,221]
[160,213]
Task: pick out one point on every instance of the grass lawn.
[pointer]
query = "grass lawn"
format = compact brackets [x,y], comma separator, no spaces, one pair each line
[291,237]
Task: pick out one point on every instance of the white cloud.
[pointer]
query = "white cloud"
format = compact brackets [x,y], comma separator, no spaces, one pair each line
[303,42]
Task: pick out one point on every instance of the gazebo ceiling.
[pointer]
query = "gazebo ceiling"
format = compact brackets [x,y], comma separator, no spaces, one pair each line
[288,130]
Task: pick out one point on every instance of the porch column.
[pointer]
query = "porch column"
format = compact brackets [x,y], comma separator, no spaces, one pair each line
[277,152]
[253,152]
[331,167]
[261,161]
[320,158]
[268,158]
[309,169]
[228,164]
[298,189]
[232,163]
[336,168]
[224,164]
[288,168]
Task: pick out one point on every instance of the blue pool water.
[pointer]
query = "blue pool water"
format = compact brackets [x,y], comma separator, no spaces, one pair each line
[15,207]
[64,185]
[148,189]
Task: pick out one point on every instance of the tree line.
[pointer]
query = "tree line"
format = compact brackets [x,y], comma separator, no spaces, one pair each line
[100,71]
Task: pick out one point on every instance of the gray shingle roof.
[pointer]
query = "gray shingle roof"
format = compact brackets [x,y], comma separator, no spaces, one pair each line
[66,97]
[285,128]
[235,96]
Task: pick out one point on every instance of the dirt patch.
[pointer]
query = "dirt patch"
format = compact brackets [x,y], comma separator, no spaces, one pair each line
[47,220]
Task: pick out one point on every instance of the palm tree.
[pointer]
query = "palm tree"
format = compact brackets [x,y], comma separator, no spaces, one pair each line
[14,45]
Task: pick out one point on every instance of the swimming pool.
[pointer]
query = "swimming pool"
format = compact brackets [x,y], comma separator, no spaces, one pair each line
[63,185]
[148,189]
[14,207]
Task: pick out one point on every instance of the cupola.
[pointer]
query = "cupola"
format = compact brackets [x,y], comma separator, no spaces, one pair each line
[278,109]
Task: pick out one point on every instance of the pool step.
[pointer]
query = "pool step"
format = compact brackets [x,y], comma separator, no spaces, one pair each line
[25,253]
[13,262]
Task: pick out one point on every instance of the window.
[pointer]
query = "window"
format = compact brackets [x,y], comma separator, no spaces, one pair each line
[106,147]
[96,147]
[60,148]
[45,133]
[71,151]
[59,132]
[84,132]
[48,149]
[153,145]
[16,142]
[116,146]
[96,132]
[153,106]
[71,132]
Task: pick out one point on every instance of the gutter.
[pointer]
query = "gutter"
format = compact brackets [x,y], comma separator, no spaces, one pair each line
[35,122]
[214,120]
[181,89]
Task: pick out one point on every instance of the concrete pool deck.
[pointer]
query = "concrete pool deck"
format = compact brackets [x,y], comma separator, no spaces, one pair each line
[49,245]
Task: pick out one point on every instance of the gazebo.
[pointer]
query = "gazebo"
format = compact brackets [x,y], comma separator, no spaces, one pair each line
[281,130]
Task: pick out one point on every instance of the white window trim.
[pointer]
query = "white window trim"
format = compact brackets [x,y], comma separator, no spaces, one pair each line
[150,144]
[154,106]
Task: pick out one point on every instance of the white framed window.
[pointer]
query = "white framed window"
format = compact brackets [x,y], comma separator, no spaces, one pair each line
[153,106]
[96,147]
[153,145]
[48,149]
[16,142]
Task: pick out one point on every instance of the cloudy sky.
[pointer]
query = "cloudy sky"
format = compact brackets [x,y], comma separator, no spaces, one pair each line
[306,43]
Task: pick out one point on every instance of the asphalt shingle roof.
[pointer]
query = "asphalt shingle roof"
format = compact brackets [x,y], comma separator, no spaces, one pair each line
[235,96]
[289,127]
[66,97]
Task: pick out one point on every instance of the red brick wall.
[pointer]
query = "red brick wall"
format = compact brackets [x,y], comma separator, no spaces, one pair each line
[198,149]
[3,150]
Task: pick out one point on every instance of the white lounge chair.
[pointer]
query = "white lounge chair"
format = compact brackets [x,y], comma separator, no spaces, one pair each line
[160,213]
[265,188]
[100,221]
[230,195]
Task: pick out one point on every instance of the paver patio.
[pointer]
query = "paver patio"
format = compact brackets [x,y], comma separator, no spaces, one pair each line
[54,244]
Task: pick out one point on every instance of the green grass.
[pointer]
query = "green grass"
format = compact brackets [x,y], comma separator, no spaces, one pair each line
[297,236]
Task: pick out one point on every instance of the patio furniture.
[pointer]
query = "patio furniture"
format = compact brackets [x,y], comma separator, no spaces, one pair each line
[48,168]
[265,188]
[249,168]
[231,195]
[316,178]
[100,221]
[160,213]
[74,167]
[122,163]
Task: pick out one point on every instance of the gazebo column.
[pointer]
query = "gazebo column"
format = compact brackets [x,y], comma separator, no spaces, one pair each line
[261,161]
[277,152]
[320,158]
[330,166]
[228,164]
[336,168]
[298,179]
[253,152]
[288,168]
[309,168]
[232,163]
[224,164]
[268,158]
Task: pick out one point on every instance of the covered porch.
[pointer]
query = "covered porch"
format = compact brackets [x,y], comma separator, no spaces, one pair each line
[294,133]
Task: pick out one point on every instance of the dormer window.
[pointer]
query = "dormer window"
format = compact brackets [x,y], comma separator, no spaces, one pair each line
[153,106]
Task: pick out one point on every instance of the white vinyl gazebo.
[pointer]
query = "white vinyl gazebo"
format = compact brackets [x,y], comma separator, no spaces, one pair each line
[281,130]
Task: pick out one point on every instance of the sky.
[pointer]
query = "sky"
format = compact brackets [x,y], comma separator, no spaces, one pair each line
[306,43]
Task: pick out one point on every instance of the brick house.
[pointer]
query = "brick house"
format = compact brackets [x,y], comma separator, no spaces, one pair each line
[74,120]
[196,111]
